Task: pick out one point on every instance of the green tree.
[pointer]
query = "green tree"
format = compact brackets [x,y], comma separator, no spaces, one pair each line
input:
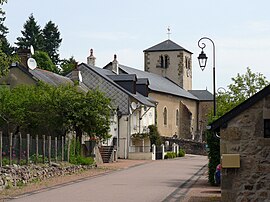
[67,65]
[32,35]
[5,50]
[50,110]
[45,62]
[51,41]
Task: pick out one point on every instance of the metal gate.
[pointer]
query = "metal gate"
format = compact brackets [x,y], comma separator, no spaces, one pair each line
[158,152]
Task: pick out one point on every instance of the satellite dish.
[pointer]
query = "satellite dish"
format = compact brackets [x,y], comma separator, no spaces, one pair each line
[133,105]
[80,76]
[32,64]
[32,50]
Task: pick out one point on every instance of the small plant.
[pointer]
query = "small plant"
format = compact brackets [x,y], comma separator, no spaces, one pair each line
[181,153]
[170,155]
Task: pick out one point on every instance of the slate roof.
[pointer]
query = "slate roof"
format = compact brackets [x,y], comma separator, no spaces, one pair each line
[158,83]
[104,74]
[144,81]
[167,45]
[203,95]
[44,75]
[50,77]
[122,77]
[222,121]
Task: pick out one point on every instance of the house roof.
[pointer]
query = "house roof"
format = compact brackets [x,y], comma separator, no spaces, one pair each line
[123,77]
[143,81]
[104,74]
[158,83]
[203,95]
[222,121]
[50,77]
[167,45]
[44,75]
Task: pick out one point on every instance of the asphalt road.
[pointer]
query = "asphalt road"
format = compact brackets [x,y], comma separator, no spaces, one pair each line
[166,180]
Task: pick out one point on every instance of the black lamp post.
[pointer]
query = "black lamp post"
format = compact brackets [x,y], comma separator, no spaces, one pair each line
[202,62]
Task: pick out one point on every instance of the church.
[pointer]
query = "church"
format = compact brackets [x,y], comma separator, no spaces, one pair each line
[181,112]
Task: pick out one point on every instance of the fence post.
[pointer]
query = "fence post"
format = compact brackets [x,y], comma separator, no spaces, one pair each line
[68,150]
[10,148]
[44,148]
[27,148]
[63,148]
[153,152]
[163,151]
[174,148]
[1,148]
[55,141]
[49,148]
[36,160]
[20,148]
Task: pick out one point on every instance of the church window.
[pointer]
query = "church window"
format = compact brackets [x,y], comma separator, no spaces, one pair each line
[165,116]
[177,118]
[163,61]
[166,62]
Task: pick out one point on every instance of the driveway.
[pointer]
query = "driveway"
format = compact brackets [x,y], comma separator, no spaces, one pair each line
[167,180]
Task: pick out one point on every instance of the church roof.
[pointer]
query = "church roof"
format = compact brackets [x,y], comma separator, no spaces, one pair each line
[158,83]
[203,95]
[167,45]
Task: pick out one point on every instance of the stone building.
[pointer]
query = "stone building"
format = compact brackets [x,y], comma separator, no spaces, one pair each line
[180,112]
[245,149]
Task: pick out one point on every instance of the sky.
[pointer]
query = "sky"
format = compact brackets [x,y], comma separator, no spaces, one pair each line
[240,31]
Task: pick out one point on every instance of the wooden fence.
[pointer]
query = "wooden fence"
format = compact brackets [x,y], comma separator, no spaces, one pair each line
[27,149]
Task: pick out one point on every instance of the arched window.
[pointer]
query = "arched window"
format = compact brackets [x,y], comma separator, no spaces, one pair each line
[161,61]
[166,61]
[177,118]
[165,116]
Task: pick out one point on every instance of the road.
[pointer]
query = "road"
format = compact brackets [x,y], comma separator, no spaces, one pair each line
[166,180]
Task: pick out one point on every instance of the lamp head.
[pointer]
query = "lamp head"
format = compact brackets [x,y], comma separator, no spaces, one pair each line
[202,60]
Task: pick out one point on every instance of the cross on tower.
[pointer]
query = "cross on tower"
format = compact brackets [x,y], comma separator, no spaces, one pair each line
[169,32]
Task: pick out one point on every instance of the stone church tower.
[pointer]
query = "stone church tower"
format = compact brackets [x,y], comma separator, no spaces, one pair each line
[170,60]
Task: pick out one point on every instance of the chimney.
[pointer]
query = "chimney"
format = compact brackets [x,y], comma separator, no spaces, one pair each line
[91,60]
[76,74]
[115,67]
[24,55]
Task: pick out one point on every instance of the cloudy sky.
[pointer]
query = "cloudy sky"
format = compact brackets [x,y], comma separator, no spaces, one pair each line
[240,30]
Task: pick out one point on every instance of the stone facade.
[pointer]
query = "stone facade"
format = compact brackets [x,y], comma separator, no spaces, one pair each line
[244,135]
[179,66]
[187,126]
[204,108]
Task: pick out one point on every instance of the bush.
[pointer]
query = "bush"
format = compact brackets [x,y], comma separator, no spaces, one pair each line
[170,155]
[181,153]
[213,155]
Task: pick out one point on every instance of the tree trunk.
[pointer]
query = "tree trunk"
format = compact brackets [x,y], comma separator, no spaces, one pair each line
[78,141]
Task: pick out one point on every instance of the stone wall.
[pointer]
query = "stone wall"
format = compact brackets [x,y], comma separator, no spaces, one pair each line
[16,175]
[244,135]
[190,147]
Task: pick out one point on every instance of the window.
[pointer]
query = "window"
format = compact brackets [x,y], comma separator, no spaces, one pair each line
[177,118]
[166,62]
[165,115]
[163,61]
[267,128]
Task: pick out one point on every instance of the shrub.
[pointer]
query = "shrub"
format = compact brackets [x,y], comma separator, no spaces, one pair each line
[170,155]
[181,153]
[213,155]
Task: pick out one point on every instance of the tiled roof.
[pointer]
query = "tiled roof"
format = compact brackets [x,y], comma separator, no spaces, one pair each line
[159,83]
[167,45]
[203,95]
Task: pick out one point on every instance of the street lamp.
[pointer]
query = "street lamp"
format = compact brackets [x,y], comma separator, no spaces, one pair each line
[202,62]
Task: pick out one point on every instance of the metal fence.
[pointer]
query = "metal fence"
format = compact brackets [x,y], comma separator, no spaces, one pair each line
[25,149]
